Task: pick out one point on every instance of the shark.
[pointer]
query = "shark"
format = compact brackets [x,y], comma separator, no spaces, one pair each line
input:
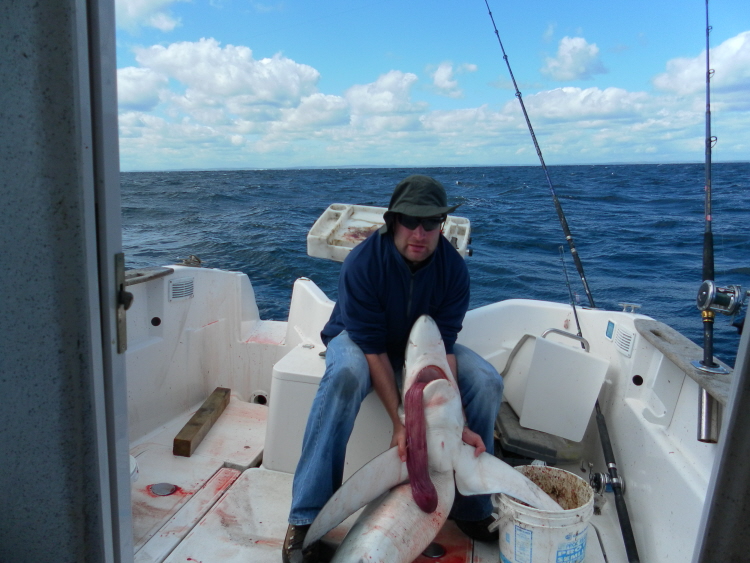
[407,503]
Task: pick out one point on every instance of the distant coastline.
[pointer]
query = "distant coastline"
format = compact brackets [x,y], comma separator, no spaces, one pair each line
[428,166]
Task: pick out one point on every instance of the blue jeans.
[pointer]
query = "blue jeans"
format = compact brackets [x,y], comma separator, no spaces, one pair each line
[344,386]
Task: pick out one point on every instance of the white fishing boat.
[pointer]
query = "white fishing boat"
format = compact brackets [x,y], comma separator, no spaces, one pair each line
[191,330]
[102,369]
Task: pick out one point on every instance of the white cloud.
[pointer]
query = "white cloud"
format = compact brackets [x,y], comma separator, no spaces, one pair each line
[576,60]
[731,82]
[224,100]
[317,110]
[202,104]
[385,106]
[615,125]
[131,14]
[572,104]
[205,67]
[138,88]
[470,128]
[390,93]
[163,22]
[443,78]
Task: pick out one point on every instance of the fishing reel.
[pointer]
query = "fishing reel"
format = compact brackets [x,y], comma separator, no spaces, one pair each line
[726,300]
[602,482]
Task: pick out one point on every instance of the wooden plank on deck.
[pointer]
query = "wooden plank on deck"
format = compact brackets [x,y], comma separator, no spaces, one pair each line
[191,435]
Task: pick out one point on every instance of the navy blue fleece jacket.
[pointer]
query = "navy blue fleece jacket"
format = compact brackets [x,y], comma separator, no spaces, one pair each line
[379,298]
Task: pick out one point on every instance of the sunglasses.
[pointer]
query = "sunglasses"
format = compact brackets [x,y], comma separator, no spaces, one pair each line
[428,223]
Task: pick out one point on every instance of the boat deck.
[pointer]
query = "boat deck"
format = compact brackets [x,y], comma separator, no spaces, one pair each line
[226,507]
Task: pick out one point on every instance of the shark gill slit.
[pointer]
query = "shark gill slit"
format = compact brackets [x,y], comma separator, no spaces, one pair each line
[422,489]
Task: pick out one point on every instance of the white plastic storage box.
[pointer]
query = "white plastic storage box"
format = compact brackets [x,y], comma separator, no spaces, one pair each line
[341,227]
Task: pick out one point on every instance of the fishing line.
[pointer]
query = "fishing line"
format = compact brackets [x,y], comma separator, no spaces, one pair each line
[558,207]
[570,293]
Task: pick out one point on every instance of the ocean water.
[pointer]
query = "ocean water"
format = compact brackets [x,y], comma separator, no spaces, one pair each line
[638,230]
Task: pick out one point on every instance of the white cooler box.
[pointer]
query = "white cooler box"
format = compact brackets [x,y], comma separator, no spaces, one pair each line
[293,387]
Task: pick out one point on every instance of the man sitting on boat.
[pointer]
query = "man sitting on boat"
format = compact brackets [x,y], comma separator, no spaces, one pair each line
[404,270]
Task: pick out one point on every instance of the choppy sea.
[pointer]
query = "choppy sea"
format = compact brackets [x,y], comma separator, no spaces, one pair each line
[638,230]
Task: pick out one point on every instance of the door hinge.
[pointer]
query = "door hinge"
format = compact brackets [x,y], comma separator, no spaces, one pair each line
[124,301]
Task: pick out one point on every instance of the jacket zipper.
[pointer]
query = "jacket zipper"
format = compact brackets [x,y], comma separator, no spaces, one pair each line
[408,303]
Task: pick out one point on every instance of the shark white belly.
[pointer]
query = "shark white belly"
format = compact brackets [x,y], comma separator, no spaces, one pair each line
[394,528]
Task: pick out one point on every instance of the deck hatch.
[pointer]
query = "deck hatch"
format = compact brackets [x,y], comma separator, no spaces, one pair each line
[180,289]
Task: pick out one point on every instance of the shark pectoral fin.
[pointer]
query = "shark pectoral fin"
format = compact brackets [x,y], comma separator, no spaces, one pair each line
[376,477]
[486,474]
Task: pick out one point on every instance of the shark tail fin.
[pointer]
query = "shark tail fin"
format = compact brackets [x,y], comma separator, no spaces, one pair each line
[486,474]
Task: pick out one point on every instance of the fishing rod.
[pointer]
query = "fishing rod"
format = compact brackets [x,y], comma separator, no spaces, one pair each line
[708,407]
[614,480]
[708,236]
[599,481]
[558,207]
[710,297]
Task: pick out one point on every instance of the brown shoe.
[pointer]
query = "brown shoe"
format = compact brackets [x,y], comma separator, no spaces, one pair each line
[292,551]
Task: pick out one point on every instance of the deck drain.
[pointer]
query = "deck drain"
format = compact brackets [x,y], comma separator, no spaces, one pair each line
[434,551]
[163,489]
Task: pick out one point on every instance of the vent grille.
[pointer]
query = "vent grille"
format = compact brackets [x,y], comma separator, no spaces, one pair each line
[624,340]
[180,289]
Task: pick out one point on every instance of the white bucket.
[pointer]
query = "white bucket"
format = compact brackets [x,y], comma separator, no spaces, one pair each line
[528,535]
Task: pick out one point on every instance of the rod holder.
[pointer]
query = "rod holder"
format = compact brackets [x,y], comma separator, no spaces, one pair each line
[603,482]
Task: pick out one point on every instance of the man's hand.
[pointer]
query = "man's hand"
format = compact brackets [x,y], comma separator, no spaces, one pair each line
[451,358]
[473,439]
[384,382]
[399,439]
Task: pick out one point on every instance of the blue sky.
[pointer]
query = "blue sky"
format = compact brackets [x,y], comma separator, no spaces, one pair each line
[242,84]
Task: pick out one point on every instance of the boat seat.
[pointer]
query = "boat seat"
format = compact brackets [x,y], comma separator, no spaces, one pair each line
[533,444]
[553,386]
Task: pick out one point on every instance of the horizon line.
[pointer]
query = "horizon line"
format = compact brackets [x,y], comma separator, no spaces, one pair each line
[368,166]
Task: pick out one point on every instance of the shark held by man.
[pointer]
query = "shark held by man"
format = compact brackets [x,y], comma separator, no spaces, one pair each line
[408,502]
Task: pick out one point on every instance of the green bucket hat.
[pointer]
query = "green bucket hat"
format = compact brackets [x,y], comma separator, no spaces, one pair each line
[418,196]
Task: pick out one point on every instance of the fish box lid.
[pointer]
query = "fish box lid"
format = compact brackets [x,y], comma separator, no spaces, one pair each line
[342,226]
